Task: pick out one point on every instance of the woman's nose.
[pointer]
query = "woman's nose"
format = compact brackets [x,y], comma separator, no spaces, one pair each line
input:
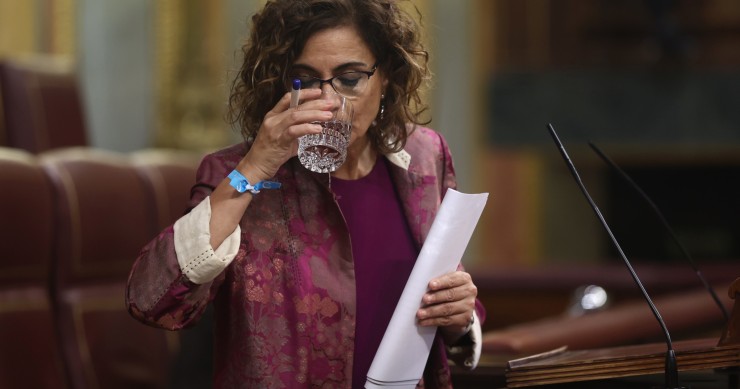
[326,89]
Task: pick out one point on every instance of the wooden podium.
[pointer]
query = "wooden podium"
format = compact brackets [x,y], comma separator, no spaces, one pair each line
[560,366]
[585,365]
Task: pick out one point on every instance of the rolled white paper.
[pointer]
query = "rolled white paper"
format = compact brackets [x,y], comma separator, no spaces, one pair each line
[404,350]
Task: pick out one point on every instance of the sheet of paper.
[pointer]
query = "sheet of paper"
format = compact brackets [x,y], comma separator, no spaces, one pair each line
[403,352]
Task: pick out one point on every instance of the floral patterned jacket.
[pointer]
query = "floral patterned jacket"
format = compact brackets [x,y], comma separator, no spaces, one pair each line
[285,296]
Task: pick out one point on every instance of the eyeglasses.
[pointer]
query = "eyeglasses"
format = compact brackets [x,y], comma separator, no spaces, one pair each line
[348,84]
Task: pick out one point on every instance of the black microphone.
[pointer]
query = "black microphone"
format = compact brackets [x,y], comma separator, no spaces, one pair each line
[665,224]
[671,366]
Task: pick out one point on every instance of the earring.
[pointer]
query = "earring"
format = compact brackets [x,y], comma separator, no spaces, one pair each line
[382,110]
[382,106]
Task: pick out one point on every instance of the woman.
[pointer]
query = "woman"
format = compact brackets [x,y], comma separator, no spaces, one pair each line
[304,278]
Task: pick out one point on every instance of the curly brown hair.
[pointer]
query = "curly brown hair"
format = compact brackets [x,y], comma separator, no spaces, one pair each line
[279,33]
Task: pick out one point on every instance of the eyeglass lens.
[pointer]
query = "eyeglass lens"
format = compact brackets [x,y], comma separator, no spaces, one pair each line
[348,84]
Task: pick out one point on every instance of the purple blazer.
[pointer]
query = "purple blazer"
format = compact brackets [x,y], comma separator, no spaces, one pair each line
[285,306]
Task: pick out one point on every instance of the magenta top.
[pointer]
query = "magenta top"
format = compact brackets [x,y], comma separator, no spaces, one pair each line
[384,254]
[285,308]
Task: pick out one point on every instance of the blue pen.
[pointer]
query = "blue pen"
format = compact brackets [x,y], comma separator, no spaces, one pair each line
[295,93]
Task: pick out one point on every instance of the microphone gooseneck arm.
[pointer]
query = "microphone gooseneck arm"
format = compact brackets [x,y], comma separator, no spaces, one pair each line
[665,224]
[671,367]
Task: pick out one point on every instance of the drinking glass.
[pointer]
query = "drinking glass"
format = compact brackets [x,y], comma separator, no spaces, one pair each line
[325,152]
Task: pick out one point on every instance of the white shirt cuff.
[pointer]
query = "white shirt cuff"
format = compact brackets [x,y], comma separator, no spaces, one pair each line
[469,354]
[198,261]
[476,335]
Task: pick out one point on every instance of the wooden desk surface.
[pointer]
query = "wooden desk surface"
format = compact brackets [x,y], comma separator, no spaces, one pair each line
[491,377]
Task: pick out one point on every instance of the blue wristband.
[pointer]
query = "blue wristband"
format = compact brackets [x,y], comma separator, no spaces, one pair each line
[240,183]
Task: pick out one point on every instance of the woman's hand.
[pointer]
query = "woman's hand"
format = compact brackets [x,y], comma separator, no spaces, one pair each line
[275,143]
[449,303]
[276,140]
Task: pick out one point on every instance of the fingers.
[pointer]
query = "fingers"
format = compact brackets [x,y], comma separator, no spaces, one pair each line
[299,121]
[277,138]
[450,287]
[450,280]
[458,313]
[306,96]
[288,123]
[450,301]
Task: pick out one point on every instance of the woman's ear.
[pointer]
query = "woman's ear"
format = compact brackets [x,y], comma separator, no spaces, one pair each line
[384,80]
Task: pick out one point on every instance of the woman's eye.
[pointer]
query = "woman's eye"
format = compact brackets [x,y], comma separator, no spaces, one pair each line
[349,79]
[308,82]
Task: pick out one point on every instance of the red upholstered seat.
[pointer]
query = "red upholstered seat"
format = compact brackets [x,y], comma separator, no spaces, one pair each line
[41,105]
[169,176]
[29,353]
[105,218]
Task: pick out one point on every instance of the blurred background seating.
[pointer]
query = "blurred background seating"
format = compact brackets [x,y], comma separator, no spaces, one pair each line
[104,216]
[73,221]
[30,355]
[41,104]
[168,176]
